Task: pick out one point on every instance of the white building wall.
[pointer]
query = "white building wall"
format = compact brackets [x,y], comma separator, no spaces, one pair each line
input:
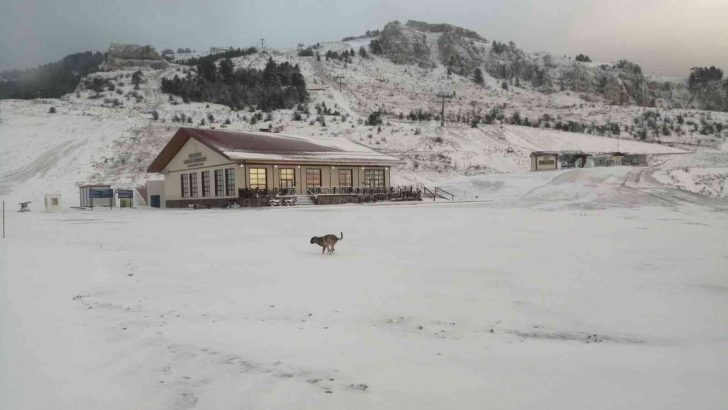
[196,157]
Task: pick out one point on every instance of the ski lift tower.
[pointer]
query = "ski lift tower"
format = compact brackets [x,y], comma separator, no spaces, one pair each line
[444,95]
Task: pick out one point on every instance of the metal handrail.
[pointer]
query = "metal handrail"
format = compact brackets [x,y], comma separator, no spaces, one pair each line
[438,190]
[286,191]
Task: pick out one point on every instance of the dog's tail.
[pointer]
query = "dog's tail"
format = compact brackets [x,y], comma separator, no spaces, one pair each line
[342,235]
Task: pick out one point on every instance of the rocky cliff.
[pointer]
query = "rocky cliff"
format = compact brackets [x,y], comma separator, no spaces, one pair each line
[462,50]
[121,56]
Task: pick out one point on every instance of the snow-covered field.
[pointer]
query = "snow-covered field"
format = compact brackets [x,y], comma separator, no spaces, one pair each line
[576,289]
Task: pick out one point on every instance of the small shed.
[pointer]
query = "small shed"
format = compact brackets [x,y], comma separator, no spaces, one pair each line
[126,198]
[613,159]
[92,195]
[544,160]
[576,159]
[635,159]
[53,202]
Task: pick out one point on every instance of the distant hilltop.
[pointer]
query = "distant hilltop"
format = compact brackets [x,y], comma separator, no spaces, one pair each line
[121,56]
[465,52]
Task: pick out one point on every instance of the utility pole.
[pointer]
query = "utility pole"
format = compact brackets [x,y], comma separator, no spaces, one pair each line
[262,44]
[618,138]
[443,95]
[339,78]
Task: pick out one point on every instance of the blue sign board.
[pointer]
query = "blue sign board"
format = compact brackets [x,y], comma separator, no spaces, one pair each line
[101,193]
[124,193]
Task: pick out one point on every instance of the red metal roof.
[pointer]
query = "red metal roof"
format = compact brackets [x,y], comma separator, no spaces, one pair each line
[238,146]
[253,142]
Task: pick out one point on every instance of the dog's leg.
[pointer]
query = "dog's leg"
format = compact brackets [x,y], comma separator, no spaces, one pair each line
[323,249]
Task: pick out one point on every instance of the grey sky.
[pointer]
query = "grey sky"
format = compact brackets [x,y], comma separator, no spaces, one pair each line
[664,36]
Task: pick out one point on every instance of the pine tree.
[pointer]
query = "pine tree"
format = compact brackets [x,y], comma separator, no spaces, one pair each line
[376,47]
[226,69]
[136,79]
[478,77]
[700,75]
[207,70]
[270,73]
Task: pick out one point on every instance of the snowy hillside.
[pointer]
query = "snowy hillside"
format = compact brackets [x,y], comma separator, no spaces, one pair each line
[109,130]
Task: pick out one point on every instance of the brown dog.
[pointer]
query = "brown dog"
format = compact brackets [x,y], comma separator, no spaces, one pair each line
[327,242]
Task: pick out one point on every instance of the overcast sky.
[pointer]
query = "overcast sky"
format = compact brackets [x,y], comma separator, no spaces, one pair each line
[664,36]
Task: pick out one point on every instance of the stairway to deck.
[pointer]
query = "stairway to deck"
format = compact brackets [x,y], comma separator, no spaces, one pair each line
[304,200]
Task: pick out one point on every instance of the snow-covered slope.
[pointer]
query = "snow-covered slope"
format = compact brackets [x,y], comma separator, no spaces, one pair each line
[44,153]
[111,136]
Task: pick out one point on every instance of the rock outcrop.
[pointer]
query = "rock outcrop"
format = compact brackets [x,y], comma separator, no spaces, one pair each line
[462,50]
[120,56]
[405,45]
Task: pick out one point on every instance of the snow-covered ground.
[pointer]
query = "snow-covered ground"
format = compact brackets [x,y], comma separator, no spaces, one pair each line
[84,142]
[705,173]
[594,288]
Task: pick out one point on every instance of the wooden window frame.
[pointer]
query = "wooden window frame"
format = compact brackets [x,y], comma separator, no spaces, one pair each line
[194,186]
[281,179]
[219,182]
[205,183]
[229,181]
[350,176]
[320,177]
[368,180]
[256,172]
[185,185]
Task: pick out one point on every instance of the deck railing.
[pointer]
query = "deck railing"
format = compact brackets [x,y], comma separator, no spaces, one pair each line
[367,193]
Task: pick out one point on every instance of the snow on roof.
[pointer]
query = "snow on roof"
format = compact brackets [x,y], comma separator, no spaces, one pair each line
[545,153]
[250,146]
